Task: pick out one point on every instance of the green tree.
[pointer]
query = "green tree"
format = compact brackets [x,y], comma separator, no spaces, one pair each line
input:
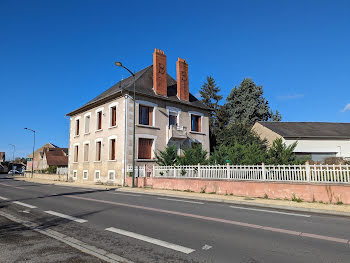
[275,116]
[246,104]
[280,153]
[193,156]
[211,98]
[168,157]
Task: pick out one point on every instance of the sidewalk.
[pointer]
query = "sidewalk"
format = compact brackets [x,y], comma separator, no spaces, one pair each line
[330,209]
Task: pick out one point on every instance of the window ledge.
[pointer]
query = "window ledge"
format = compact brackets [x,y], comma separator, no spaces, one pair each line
[111,127]
[195,132]
[85,178]
[86,133]
[76,136]
[99,130]
[147,126]
[112,160]
[97,161]
[75,162]
[86,162]
[145,160]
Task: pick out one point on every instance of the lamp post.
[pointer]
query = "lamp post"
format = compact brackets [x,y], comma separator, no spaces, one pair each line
[33,150]
[14,149]
[119,64]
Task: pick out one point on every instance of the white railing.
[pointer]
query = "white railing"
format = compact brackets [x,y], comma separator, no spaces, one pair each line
[280,173]
[62,170]
[140,171]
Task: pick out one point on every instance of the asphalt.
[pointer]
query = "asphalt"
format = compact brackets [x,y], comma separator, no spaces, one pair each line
[216,232]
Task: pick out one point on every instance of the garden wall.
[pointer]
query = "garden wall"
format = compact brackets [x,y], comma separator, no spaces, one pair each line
[52,177]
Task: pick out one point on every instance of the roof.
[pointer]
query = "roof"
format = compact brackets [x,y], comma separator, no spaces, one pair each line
[144,86]
[331,130]
[57,157]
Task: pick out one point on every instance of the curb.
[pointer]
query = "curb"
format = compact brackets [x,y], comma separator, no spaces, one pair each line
[251,204]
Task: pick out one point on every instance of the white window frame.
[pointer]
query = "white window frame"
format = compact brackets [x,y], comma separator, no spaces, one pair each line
[96,141]
[96,116]
[177,111]
[75,174]
[75,126]
[201,115]
[88,159]
[85,117]
[110,106]
[148,104]
[111,171]
[99,172]
[87,174]
[74,145]
[109,147]
[145,136]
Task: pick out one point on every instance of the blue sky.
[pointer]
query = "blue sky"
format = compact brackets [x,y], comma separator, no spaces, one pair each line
[57,55]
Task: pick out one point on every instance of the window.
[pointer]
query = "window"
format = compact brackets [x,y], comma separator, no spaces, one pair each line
[172,118]
[86,152]
[98,150]
[145,148]
[99,120]
[76,152]
[87,124]
[97,175]
[77,127]
[111,175]
[145,115]
[113,113]
[112,149]
[196,123]
[75,174]
[85,174]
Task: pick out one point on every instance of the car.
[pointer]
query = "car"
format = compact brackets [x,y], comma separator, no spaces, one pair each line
[14,172]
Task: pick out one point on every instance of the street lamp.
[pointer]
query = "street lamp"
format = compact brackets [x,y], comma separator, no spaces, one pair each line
[14,149]
[119,64]
[33,150]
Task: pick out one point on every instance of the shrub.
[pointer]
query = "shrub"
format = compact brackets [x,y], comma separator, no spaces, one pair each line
[168,157]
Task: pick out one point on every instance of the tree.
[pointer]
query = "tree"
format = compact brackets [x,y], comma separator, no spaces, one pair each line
[275,116]
[210,97]
[280,153]
[246,104]
[193,156]
[168,157]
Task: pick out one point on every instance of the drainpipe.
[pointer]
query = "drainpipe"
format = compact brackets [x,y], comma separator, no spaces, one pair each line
[126,106]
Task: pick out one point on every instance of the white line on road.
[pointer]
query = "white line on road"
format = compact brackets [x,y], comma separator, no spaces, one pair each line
[269,211]
[24,204]
[124,194]
[78,220]
[151,240]
[180,200]
[3,198]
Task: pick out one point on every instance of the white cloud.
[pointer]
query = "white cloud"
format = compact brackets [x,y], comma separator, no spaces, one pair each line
[346,108]
[290,96]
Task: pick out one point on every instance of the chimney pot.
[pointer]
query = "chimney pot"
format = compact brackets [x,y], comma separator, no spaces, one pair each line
[182,79]
[159,73]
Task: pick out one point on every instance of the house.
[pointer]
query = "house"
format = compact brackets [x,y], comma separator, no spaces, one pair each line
[39,162]
[101,131]
[57,157]
[319,140]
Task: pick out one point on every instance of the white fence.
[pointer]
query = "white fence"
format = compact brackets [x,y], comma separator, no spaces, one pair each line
[62,170]
[280,173]
[140,171]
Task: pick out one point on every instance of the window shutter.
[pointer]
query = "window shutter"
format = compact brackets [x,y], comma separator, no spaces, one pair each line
[199,123]
[150,116]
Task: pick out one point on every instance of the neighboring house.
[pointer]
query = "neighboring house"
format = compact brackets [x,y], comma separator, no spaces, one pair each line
[319,140]
[3,168]
[2,157]
[54,157]
[38,157]
[166,113]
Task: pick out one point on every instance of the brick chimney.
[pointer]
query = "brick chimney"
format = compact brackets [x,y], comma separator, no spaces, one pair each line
[182,79]
[159,73]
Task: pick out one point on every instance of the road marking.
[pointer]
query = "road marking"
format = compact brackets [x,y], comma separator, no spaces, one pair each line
[24,204]
[66,216]
[3,198]
[214,219]
[17,187]
[151,240]
[269,211]
[124,194]
[206,247]
[180,200]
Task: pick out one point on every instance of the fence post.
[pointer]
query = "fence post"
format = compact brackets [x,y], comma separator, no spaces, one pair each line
[174,171]
[153,170]
[263,170]
[307,168]
[228,170]
[199,170]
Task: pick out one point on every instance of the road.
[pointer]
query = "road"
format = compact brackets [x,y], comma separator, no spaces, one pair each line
[147,228]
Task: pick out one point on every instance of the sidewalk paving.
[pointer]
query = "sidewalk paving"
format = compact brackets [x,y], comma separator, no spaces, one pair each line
[331,209]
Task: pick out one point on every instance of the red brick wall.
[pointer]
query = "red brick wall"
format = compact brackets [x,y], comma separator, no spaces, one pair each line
[182,79]
[307,192]
[159,73]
